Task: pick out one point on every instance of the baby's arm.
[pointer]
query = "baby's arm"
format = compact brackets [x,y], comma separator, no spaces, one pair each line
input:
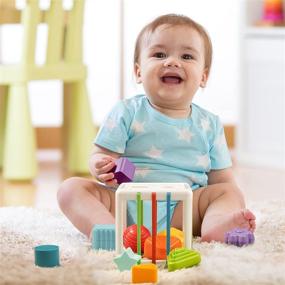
[221,176]
[101,162]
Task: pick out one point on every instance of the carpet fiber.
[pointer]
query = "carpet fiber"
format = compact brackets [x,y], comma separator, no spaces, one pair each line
[23,228]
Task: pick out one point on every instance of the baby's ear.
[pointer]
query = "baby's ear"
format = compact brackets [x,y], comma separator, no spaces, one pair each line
[204,78]
[137,71]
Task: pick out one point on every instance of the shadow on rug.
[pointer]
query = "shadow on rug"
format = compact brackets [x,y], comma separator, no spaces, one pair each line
[23,228]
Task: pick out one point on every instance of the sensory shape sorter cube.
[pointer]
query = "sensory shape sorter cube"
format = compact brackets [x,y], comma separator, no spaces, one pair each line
[128,191]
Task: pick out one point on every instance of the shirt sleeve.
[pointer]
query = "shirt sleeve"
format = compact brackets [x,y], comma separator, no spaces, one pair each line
[219,152]
[113,133]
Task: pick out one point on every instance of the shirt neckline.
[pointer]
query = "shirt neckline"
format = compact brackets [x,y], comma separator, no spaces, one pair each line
[166,119]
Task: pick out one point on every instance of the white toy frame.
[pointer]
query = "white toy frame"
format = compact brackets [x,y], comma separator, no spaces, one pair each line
[128,191]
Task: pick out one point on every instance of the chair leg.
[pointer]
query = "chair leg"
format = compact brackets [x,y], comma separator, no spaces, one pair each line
[3,107]
[65,127]
[79,128]
[19,143]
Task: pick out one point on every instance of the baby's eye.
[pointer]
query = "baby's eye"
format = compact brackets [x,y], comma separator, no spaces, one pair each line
[159,55]
[187,56]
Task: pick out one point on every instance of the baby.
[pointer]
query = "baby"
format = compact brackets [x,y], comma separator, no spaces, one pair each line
[167,137]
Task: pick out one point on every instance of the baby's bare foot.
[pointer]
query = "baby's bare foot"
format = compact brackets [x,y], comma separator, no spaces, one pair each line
[215,227]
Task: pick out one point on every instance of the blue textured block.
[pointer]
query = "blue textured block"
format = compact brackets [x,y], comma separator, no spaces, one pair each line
[103,237]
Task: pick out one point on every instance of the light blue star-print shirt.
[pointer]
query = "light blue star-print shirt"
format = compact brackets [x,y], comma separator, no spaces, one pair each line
[164,149]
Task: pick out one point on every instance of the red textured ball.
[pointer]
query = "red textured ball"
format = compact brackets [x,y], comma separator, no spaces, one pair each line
[130,237]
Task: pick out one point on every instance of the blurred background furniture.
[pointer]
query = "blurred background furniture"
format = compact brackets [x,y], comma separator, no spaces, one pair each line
[261,130]
[63,62]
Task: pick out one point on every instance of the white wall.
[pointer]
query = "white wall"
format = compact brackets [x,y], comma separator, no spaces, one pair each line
[102,55]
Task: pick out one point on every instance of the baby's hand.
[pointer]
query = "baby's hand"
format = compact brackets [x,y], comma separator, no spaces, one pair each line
[102,168]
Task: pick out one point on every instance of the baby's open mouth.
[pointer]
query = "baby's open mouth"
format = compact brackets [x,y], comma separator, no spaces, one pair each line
[171,79]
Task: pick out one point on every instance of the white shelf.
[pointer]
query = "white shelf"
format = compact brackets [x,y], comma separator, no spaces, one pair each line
[265,31]
[261,132]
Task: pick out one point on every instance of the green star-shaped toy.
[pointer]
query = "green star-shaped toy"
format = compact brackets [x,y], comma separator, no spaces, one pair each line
[127,259]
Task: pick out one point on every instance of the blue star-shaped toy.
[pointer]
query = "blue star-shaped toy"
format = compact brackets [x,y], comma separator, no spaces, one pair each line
[127,259]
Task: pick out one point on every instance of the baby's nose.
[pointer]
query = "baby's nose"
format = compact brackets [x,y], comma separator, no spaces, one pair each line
[172,62]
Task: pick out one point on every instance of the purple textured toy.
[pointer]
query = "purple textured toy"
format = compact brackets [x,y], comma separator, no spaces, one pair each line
[124,170]
[239,237]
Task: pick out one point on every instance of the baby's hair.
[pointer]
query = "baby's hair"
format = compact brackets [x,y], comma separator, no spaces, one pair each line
[175,20]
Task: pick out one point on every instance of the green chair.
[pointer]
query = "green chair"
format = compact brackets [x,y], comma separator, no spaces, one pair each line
[63,62]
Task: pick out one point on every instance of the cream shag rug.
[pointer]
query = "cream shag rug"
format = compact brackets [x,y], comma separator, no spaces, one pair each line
[23,228]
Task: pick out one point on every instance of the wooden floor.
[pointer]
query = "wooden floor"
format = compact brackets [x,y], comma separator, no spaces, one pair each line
[257,184]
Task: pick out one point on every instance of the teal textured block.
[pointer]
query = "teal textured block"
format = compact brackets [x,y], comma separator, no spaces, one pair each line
[47,255]
[103,237]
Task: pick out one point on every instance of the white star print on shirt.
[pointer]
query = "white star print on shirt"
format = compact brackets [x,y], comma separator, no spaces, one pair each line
[190,181]
[203,160]
[142,172]
[220,141]
[194,179]
[110,124]
[205,124]
[185,134]
[138,127]
[154,152]
[120,150]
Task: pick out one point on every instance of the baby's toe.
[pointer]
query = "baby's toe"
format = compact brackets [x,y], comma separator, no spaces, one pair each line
[248,215]
[252,225]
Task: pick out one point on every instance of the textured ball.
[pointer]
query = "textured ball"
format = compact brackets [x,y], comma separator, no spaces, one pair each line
[130,237]
[160,249]
[239,237]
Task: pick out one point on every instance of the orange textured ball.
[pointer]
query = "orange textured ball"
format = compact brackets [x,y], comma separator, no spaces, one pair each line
[160,250]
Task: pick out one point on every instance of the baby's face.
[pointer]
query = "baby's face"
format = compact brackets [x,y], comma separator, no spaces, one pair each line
[171,66]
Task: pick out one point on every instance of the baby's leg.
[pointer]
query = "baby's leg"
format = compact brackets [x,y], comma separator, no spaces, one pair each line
[217,209]
[177,218]
[85,203]
[222,208]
